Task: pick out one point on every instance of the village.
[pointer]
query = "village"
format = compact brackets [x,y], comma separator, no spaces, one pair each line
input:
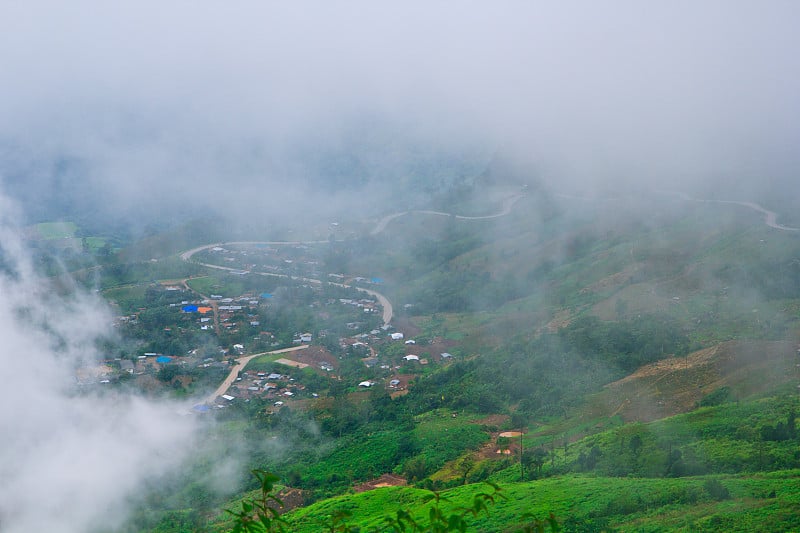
[279,336]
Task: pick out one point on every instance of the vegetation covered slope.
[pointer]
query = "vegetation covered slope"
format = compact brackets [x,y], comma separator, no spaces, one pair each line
[581,322]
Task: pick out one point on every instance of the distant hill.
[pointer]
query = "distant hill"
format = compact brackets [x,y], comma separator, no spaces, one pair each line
[679,384]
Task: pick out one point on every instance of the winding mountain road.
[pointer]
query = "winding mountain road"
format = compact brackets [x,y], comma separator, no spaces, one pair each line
[187,255]
[770,217]
[388,311]
[508,204]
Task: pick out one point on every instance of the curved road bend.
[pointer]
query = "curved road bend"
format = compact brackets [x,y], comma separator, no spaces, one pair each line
[388,311]
[508,204]
[241,362]
[770,217]
[189,253]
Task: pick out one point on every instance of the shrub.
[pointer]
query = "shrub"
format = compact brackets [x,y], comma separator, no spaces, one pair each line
[716,490]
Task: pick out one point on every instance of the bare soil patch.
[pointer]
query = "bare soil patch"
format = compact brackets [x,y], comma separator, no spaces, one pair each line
[405,325]
[289,362]
[437,347]
[614,280]
[292,498]
[314,355]
[561,320]
[493,420]
[386,480]
[676,384]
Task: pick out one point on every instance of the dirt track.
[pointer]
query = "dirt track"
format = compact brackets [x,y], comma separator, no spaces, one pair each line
[239,366]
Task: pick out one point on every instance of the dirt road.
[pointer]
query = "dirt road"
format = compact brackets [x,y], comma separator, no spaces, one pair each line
[239,366]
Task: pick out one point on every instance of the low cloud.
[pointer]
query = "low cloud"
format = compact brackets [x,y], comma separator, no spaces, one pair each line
[214,106]
[71,460]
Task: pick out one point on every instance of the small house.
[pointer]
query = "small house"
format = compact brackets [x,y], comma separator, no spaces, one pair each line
[126,366]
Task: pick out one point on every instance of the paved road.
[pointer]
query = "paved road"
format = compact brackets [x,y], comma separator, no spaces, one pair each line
[382,223]
[187,255]
[388,311]
[385,303]
[770,217]
[383,300]
[508,204]
[239,366]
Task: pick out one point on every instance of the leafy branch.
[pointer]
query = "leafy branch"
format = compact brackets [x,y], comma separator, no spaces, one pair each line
[260,514]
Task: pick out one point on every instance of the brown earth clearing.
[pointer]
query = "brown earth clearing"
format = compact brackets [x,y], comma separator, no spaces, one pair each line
[677,384]
[386,480]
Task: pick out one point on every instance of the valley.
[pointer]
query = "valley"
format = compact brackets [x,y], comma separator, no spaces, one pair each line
[601,339]
[399,267]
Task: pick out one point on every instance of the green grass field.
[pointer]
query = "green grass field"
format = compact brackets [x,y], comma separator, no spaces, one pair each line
[129,297]
[215,285]
[583,503]
[56,230]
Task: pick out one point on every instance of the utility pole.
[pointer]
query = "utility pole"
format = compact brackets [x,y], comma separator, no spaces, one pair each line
[521,464]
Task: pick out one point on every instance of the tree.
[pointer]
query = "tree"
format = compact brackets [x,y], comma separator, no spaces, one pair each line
[675,465]
[503,443]
[535,459]
[635,445]
[415,469]
[168,372]
[465,466]
[590,461]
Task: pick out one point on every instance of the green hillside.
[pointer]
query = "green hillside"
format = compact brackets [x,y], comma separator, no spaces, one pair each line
[769,502]
[645,347]
[730,467]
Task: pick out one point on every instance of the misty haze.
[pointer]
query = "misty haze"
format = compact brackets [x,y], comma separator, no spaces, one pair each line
[417,267]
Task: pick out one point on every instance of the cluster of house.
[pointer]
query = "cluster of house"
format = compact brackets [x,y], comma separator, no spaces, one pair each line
[274,386]
[226,308]
[369,346]
[281,260]
[147,363]
[366,304]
